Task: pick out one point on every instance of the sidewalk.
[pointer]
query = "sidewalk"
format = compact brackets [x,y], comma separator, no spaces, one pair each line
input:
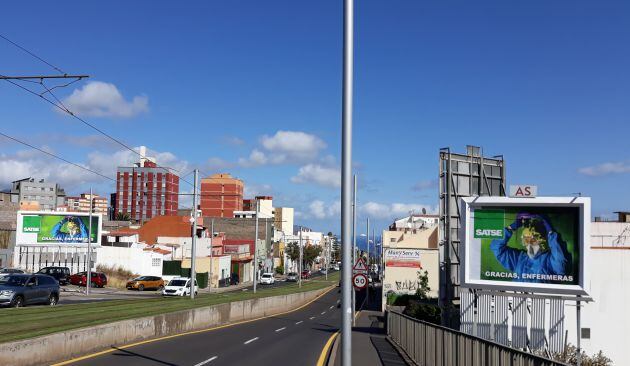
[369,342]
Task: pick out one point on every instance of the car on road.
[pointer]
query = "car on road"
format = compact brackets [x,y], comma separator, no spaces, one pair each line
[306,274]
[80,279]
[292,277]
[178,286]
[336,267]
[10,270]
[18,290]
[61,274]
[323,271]
[146,282]
[267,279]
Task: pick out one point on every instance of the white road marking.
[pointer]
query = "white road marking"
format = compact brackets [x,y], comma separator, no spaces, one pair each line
[280,329]
[311,318]
[323,312]
[207,361]
[301,321]
[331,307]
[251,340]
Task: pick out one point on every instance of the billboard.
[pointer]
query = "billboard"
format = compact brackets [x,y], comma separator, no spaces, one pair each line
[409,258]
[525,244]
[45,227]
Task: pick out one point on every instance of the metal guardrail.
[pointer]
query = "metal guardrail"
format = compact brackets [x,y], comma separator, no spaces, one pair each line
[432,345]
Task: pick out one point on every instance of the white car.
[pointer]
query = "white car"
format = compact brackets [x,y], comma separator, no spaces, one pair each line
[267,279]
[179,286]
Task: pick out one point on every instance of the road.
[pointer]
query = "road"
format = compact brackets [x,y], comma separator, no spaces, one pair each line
[295,338]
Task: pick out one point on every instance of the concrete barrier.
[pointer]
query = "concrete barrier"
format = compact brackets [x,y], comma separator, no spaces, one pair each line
[66,345]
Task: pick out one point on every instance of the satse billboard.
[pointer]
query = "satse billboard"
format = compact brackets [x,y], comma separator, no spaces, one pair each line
[525,244]
[41,228]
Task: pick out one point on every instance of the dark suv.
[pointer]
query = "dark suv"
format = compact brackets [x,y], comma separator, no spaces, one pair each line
[17,290]
[61,274]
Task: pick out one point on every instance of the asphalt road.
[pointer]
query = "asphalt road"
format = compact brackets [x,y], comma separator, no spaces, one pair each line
[295,338]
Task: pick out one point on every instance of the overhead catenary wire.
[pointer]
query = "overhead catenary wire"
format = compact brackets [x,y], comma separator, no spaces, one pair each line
[57,157]
[61,107]
[32,54]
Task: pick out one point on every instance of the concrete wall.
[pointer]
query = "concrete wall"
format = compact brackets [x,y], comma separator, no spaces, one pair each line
[136,260]
[66,345]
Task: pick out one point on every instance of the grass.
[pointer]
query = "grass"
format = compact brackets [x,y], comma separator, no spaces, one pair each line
[23,323]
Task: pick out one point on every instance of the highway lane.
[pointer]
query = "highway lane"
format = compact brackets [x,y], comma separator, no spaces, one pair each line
[295,338]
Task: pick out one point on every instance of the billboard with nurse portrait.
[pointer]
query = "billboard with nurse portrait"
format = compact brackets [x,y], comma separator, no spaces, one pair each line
[525,244]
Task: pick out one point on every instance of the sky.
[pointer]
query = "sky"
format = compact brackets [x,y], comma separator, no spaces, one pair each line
[253,88]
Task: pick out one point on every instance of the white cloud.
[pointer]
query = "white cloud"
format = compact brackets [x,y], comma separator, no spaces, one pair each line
[425,184]
[252,190]
[100,99]
[31,163]
[285,147]
[606,168]
[233,140]
[320,210]
[393,210]
[256,158]
[318,174]
[215,164]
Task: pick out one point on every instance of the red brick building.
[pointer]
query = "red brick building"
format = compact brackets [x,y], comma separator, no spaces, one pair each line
[145,191]
[249,204]
[221,195]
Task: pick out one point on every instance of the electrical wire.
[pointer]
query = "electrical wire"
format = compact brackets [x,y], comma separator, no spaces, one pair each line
[61,107]
[56,156]
[32,54]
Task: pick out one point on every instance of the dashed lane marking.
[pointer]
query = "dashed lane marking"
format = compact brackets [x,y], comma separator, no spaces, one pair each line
[250,341]
[207,361]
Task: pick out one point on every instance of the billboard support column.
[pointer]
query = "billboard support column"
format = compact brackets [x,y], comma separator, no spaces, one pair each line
[579,331]
[88,279]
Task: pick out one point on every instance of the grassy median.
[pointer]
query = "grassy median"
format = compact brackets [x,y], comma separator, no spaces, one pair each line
[31,322]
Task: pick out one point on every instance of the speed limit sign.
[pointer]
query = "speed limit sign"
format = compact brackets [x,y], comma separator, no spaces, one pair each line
[359,281]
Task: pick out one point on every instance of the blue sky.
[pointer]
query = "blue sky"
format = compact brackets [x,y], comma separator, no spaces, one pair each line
[253,88]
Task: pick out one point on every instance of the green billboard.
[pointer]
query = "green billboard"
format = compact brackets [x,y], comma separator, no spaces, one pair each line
[46,228]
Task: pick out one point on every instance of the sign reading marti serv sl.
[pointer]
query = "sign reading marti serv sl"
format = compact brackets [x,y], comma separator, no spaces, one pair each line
[409,258]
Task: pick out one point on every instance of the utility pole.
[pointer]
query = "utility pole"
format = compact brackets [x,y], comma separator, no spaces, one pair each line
[354,242]
[300,264]
[211,248]
[256,247]
[367,288]
[346,184]
[88,279]
[193,252]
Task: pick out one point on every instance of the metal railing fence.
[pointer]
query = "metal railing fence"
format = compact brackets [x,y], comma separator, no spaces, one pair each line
[433,345]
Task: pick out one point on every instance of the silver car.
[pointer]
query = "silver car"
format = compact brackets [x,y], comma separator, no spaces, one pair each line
[17,290]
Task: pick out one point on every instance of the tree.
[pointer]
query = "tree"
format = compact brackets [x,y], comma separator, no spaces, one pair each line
[292,250]
[123,216]
[423,285]
[310,253]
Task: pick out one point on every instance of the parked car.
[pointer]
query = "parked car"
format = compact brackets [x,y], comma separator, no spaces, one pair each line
[292,277]
[306,274]
[146,282]
[80,279]
[10,270]
[179,286]
[17,290]
[61,274]
[267,279]
[323,271]
[337,267]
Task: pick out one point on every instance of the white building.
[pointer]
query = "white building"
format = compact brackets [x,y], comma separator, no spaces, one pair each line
[606,320]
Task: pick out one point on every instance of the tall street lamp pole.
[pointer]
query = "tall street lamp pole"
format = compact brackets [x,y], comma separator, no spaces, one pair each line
[346,184]
[193,252]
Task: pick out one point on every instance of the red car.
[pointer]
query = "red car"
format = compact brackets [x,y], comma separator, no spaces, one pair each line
[306,274]
[80,279]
